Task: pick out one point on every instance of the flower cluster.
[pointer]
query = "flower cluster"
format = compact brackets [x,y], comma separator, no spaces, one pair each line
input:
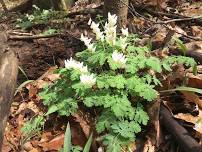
[119,58]
[123,39]
[125,32]
[89,80]
[110,29]
[109,34]
[85,78]
[96,30]
[87,41]
[73,64]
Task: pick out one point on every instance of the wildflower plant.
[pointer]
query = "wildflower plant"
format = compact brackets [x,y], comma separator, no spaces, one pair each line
[113,77]
[39,17]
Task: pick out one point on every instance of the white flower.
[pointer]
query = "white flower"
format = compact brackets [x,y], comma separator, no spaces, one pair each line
[123,43]
[36,7]
[119,58]
[73,64]
[45,13]
[95,27]
[100,149]
[110,29]
[112,19]
[89,80]
[80,67]
[30,17]
[87,41]
[96,30]
[90,21]
[124,31]
[91,48]
[110,32]
[70,63]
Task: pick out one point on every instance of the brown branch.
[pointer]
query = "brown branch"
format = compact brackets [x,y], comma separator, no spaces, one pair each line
[30,37]
[186,142]
[179,20]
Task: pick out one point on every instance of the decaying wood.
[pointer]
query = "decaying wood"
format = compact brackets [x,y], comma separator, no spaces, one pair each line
[186,142]
[8,76]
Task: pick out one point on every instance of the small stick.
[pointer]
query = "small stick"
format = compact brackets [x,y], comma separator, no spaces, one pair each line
[179,19]
[29,37]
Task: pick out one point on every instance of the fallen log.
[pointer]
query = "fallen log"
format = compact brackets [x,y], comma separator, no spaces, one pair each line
[8,77]
[186,142]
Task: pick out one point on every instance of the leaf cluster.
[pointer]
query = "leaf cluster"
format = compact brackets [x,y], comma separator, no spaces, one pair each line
[38,17]
[119,93]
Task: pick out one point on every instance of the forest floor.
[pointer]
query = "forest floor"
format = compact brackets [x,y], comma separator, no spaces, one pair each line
[40,56]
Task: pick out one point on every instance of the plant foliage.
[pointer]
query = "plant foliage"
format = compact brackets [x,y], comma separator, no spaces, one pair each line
[116,83]
[38,17]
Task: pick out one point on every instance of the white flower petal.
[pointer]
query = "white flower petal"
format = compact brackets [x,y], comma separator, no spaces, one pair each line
[124,31]
[119,58]
[89,80]
[90,21]
[73,64]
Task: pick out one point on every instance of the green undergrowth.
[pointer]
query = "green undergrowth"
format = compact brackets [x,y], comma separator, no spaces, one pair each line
[113,78]
[40,17]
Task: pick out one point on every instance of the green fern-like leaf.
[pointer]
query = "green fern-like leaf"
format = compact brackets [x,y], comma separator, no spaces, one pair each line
[154,63]
[140,115]
[136,86]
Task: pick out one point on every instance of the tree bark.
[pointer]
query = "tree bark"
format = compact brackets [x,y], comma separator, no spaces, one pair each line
[8,77]
[118,7]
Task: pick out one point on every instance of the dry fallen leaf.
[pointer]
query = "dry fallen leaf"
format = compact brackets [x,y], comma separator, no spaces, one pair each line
[148,147]
[196,120]
[54,144]
[46,136]
[28,146]
[194,81]
[6,146]
[192,97]
[196,31]
[34,150]
[83,123]
[32,90]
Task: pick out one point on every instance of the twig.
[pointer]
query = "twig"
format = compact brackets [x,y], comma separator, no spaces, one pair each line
[179,19]
[29,37]
[19,33]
